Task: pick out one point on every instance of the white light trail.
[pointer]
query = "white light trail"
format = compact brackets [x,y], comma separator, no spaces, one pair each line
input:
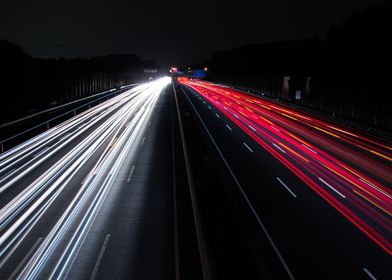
[116,124]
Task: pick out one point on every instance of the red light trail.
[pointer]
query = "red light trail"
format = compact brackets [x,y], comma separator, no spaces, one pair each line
[348,168]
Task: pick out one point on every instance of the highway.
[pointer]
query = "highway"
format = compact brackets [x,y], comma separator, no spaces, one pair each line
[319,190]
[91,198]
[95,196]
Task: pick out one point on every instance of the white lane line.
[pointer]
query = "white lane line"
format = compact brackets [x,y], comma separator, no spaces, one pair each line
[276,146]
[209,107]
[25,258]
[309,149]
[369,273]
[204,102]
[266,232]
[73,168]
[332,188]
[247,147]
[287,188]
[228,127]
[100,256]
[130,174]
[235,116]
[251,127]
[141,144]
[381,191]
[275,128]
[217,115]
[128,136]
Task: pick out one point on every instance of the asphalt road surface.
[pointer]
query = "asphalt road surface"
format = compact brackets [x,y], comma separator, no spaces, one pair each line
[320,191]
[92,197]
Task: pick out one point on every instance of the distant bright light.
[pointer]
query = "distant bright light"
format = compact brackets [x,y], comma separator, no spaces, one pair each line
[205,69]
[162,82]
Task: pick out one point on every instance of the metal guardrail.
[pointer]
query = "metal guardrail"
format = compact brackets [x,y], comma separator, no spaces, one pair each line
[47,122]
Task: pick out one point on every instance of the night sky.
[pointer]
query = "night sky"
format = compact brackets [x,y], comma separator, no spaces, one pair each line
[171,32]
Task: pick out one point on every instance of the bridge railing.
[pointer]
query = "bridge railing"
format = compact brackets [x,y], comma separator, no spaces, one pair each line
[46,124]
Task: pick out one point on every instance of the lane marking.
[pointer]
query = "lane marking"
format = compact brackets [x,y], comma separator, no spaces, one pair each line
[275,128]
[209,107]
[130,174]
[287,188]
[228,127]
[369,273]
[25,258]
[247,147]
[283,151]
[267,234]
[251,127]
[100,256]
[375,187]
[217,115]
[144,138]
[313,151]
[332,188]
[294,152]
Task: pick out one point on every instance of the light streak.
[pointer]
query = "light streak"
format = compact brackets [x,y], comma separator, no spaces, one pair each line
[339,160]
[114,125]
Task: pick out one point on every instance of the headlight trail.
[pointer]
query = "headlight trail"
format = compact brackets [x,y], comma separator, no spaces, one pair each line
[348,168]
[112,127]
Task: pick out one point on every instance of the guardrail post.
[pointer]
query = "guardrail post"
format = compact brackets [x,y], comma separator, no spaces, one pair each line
[74,112]
[47,126]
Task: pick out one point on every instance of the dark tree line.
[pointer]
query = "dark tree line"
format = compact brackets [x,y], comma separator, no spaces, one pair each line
[30,84]
[346,74]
